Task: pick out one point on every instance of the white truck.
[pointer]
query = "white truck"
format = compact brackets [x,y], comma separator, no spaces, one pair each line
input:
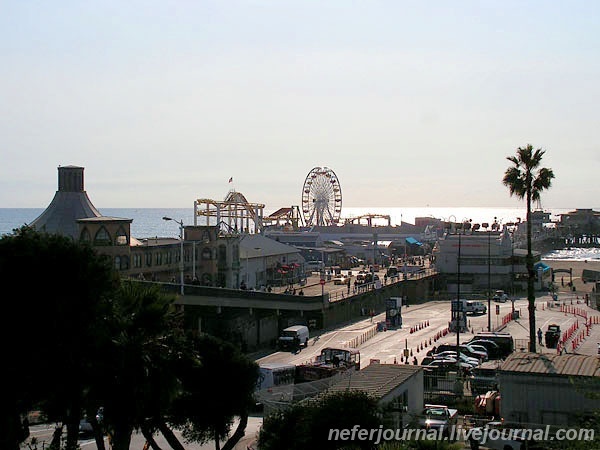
[439,418]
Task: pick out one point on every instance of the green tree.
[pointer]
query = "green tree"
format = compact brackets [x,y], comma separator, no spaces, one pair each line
[307,424]
[526,180]
[215,393]
[60,289]
[135,379]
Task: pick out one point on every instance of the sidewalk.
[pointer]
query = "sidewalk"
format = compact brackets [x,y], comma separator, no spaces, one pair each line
[549,312]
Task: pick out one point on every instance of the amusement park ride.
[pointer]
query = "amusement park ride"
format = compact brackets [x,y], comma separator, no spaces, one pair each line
[321,197]
[321,206]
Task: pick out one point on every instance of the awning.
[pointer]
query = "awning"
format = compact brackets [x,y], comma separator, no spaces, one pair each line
[411,240]
[541,265]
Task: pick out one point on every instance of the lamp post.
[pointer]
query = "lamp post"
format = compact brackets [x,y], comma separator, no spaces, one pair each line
[487,225]
[458,307]
[181,267]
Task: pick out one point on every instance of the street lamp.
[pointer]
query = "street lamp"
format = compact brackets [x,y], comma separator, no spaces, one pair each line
[181,268]
[487,225]
[458,306]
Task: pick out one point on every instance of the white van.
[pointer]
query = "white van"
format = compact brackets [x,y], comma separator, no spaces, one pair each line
[476,308]
[469,306]
[293,337]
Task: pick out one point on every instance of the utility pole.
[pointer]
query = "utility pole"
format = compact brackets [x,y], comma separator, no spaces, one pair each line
[489,298]
[458,308]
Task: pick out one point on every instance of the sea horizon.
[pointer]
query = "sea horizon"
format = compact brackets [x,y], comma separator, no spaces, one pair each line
[147,222]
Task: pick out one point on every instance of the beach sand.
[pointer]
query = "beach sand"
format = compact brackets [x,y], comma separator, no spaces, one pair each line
[577,269]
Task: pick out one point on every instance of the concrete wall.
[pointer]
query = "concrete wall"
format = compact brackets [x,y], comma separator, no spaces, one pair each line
[254,327]
[545,399]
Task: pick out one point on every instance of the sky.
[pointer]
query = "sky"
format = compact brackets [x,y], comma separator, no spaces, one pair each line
[409,103]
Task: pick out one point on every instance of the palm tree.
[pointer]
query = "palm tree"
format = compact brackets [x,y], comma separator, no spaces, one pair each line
[526,180]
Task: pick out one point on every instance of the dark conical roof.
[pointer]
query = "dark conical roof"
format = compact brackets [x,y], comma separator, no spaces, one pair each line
[70,203]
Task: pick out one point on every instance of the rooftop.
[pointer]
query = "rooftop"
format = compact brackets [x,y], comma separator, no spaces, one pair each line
[377,379]
[567,364]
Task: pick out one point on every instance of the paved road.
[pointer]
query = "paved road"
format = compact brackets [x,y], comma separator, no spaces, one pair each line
[389,346]
[44,434]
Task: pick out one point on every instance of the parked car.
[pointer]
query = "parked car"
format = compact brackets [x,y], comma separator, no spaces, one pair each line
[474,362]
[493,350]
[464,348]
[439,417]
[447,365]
[504,340]
[500,296]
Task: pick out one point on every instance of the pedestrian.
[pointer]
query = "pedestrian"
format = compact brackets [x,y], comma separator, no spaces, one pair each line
[415,362]
[540,334]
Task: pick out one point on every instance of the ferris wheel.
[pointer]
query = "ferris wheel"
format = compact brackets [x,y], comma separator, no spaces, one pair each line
[321,197]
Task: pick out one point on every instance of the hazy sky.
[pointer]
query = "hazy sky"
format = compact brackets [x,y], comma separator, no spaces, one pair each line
[410,103]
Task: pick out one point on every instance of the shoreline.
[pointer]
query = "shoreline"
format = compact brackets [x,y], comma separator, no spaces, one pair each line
[577,267]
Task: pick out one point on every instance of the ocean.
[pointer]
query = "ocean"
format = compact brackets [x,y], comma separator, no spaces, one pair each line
[147,222]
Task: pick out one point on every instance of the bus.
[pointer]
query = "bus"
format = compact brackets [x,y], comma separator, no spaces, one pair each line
[275,374]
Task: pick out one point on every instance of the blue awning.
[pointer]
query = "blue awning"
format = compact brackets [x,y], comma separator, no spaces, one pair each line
[411,240]
[541,265]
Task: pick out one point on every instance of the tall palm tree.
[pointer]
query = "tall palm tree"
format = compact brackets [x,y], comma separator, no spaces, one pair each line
[525,179]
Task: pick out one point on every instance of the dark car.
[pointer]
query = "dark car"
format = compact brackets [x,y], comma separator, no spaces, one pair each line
[494,351]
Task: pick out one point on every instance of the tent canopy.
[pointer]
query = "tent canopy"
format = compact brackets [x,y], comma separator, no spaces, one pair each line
[411,240]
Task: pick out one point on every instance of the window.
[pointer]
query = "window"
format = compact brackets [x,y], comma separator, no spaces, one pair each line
[85,236]
[137,260]
[222,253]
[102,237]
[121,238]
[149,259]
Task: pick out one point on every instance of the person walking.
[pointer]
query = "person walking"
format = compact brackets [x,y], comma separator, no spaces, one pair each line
[540,334]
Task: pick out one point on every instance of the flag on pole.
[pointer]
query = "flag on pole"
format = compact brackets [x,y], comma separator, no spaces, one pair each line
[231,179]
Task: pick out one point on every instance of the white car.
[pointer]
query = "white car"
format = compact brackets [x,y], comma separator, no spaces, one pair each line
[340,279]
[474,362]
